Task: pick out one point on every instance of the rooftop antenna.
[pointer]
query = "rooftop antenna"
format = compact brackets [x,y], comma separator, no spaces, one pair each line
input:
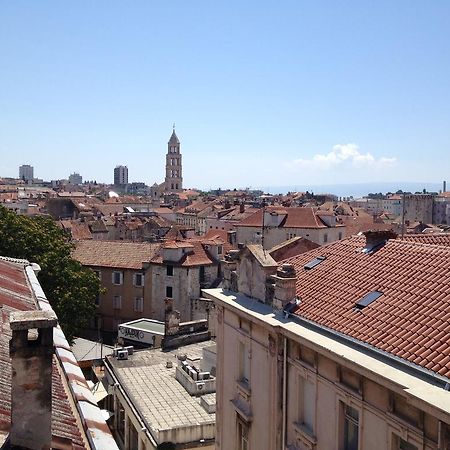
[262,230]
[403,215]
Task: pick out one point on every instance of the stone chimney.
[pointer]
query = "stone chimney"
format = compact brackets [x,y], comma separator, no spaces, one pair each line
[242,208]
[31,350]
[377,238]
[285,290]
[172,319]
[228,266]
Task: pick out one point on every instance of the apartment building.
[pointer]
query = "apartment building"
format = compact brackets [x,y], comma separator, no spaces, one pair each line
[273,225]
[138,277]
[124,277]
[342,347]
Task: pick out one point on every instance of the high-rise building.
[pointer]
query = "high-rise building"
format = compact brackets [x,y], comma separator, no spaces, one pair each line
[174,174]
[75,178]
[121,175]
[26,173]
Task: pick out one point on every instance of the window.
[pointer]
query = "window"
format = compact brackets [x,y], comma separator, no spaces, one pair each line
[97,300]
[138,304]
[350,427]
[220,249]
[306,403]
[242,435]
[202,274]
[169,271]
[169,292]
[244,363]
[400,444]
[117,278]
[314,262]
[117,302]
[340,235]
[325,237]
[139,279]
[98,273]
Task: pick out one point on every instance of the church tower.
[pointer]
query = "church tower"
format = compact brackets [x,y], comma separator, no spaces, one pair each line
[174,175]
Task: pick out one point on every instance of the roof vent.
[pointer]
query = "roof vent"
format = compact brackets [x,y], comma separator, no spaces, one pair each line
[368,299]
[314,262]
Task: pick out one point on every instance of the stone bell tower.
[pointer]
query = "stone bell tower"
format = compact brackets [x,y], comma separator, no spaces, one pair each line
[174,174]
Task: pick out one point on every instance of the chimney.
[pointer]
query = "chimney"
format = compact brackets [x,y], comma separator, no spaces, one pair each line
[241,208]
[231,235]
[444,186]
[376,239]
[172,319]
[285,289]
[31,350]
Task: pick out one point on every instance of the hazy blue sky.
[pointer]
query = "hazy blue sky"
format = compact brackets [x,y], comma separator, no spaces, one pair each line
[262,93]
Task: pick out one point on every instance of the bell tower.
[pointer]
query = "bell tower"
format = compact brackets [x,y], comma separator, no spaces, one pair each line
[174,174]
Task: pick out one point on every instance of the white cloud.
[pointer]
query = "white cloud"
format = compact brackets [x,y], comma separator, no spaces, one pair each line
[345,155]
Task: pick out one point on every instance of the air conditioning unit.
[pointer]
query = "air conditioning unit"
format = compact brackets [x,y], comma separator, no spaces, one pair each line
[130,349]
[200,386]
[122,354]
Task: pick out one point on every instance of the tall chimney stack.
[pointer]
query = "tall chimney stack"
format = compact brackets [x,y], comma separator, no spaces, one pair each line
[31,349]
[444,186]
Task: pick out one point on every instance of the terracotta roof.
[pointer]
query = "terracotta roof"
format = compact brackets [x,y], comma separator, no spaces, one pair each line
[18,288]
[292,247]
[295,218]
[115,254]
[429,238]
[196,254]
[78,230]
[223,236]
[411,319]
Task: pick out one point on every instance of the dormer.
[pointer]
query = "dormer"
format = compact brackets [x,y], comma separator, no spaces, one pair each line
[175,251]
[328,218]
[274,218]
[214,248]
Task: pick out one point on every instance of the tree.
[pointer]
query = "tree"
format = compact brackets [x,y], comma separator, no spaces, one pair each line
[70,288]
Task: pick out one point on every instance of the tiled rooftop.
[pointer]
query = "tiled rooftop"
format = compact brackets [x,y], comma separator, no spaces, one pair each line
[429,238]
[295,218]
[116,254]
[410,320]
[15,294]
[196,254]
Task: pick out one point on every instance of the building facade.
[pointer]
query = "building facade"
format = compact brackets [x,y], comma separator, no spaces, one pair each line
[309,360]
[120,175]
[26,173]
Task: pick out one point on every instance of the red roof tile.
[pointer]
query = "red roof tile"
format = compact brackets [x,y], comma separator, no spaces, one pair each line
[412,315]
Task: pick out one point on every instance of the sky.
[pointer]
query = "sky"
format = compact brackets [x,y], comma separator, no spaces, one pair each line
[263,93]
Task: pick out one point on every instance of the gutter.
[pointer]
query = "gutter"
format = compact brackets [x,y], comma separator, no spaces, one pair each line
[393,360]
[96,430]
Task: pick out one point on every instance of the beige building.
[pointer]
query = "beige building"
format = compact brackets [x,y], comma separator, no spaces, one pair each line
[163,400]
[273,225]
[124,277]
[138,277]
[348,349]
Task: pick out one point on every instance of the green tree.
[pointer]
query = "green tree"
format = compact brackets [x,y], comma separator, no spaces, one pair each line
[70,288]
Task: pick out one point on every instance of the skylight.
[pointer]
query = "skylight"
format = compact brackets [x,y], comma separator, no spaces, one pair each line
[368,299]
[315,262]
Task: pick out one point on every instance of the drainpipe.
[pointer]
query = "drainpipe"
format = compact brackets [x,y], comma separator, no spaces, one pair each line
[284,403]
